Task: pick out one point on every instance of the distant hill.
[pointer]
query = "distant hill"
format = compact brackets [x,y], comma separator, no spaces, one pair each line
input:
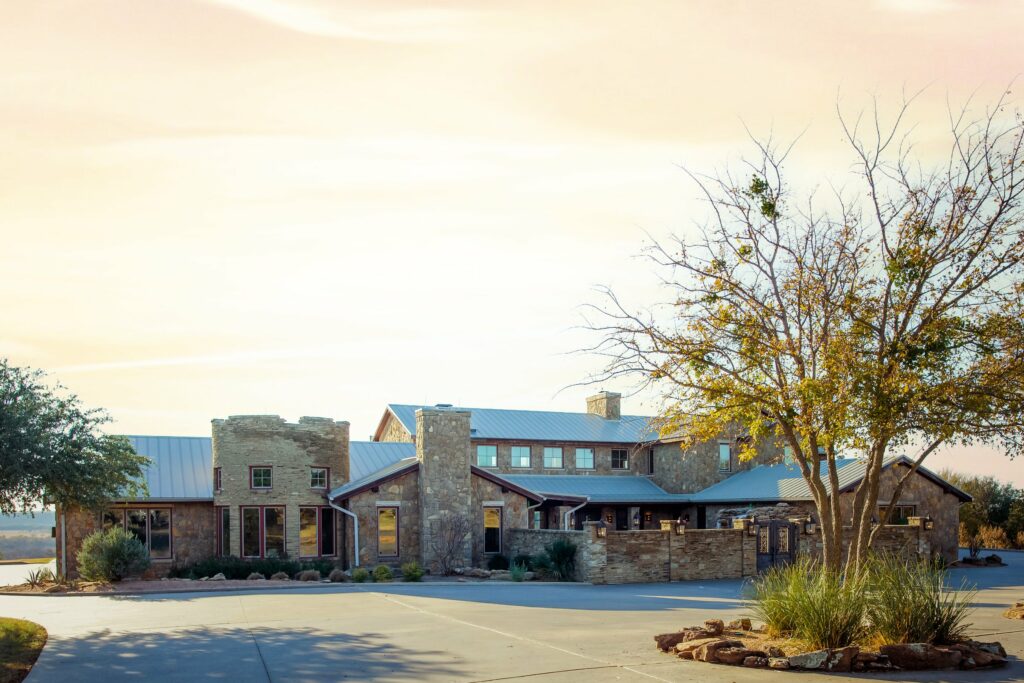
[42,521]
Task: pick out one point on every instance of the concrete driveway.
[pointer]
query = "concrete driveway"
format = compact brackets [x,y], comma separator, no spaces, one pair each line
[427,632]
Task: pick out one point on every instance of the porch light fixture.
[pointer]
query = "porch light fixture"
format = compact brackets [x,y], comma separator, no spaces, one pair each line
[610,519]
[928,523]
[602,531]
[810,526]
[752,528]
[648,516]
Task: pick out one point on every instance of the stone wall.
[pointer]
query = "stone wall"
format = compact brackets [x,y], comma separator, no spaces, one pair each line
[533,542]
[403,493]
[192,534]
[513,515]
[679,470]
[291,450]
[394,431]
[909,542]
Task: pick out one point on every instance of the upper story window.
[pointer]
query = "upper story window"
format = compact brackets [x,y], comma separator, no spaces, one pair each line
[216,480]
[650,461]
[585,458]
[620,459]
[724,457]
[521,456]
[553,458]
[318,477]
[899,515]
[261,477]
[487,456]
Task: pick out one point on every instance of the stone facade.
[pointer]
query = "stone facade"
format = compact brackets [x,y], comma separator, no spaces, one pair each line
[513,515]
[192,534]
[403,493]
[392,430]
[445,488]
[692,469]
[606,404]
[533,542]
[291,450]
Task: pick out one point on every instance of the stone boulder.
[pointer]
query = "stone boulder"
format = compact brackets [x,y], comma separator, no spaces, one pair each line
[280,576]
[842,659]
[736,656]
[685,649]
[755,662]
[816,659]
[218,577]
[709,651]
[975,657]
[922,656]
[667,641]
[714,626]
[781,663]
[1015,612]
[477,573]
[739,625]
[255,576]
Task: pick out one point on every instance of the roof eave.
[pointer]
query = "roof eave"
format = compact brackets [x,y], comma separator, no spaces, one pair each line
[362,488]
[505,483]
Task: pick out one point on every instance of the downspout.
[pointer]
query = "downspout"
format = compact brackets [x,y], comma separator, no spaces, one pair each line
[529,512]
[565,515]
[63,568]
[355,527]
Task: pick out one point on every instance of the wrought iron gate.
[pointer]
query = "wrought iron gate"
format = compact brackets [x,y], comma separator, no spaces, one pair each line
[776,544]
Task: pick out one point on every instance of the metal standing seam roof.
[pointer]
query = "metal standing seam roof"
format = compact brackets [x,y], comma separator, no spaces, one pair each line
[181,467]
[596,488]
[345,490]
[783,482]
[542,425]
[367,457]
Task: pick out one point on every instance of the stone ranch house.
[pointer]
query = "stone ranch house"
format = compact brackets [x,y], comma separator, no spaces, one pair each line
[637,507]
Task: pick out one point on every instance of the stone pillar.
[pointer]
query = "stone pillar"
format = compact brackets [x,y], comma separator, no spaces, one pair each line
[444,451]
[605,404]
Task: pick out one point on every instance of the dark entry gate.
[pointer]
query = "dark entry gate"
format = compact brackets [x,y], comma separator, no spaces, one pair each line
[776,544]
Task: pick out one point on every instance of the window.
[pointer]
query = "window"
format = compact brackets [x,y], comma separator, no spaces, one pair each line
[223,531]
[620,459]
[327,532]
[650,461]
[521,456]
[261,477]
[585,458]
[492,530]
[316,532]
[318,477]
[263,532]
[724,457]
[900,513]
[152,526]
[387,532]
[487,456]
[216,480]
[537,519]
[787,455]
[553,458]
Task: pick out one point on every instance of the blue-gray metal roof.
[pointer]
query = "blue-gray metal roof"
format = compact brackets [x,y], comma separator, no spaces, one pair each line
[783,482]
[367,457]
[542,425]
[345,490]
[181,467]
[596,488]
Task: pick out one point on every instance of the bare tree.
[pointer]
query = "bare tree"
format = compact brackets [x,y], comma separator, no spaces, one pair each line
[889,318]
[447,540]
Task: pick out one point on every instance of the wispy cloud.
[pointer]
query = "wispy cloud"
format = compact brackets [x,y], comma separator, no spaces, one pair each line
[230,358]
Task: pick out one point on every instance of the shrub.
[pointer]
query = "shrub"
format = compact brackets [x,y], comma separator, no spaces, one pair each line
[542,565]
[111,555]
[255,576]
[1020,540]
[993,537]
[517,572]
[525,560]
[360,575]
[325,567]
[770,596]
[909,602]
[497,562]
[237,568]
[412,571]
[38,577]
[562,556]
[337,576]
[279,576]
[383,574]
[308,575]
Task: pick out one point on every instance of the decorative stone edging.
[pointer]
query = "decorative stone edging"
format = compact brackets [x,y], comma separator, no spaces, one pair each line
[718,643]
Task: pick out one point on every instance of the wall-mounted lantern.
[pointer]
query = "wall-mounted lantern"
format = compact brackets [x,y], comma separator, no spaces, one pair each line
[602,530]
[610,519]
[648,516]
[810,526]
[928,523]
[752,529]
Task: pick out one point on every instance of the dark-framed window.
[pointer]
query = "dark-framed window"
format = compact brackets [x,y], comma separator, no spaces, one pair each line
[620,459]
[521,456]
[223,521]
[319,477]
[650,461]
[217,485]
[584,458]
[492,529]
[553,457]
[262,531]
[900,513]
[261,477]
[388,526]
[724,457]
[316,532]
[486,455]
[152,526]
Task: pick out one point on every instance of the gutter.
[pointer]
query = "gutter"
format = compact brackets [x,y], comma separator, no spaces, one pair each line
[355,527]
[565,515]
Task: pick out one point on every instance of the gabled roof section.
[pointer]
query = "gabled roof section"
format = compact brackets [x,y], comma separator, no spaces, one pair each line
[783,482]
[381,476]
[181,467]
[542,425]
[596,488]
[367,457]
[506,482]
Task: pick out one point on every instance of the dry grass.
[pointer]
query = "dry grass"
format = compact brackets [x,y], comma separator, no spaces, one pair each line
[20,645]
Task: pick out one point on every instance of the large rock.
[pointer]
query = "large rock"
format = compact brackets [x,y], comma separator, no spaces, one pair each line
[715,626]
[667,641]
[739,625]
[780,663]
[685,649]
[755,662]
[1015,612]
[922,656]
[735,655]
[974,657]
[817,659]
[709,651]
[218,577]
[842,659]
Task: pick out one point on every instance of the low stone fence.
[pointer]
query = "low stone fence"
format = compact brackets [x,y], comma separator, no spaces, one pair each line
[911,542]
[614,557]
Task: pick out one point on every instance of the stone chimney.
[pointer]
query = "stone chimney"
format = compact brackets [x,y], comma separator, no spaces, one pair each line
[445,482]
[606,404]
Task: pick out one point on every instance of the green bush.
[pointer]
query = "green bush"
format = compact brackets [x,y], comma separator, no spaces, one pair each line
[360,575]
[910,602]
[383,574]
[239,568]
[525,560]
[497,562]
[37,577]
[517,572]
[562,558]
[412,571]
[111,555]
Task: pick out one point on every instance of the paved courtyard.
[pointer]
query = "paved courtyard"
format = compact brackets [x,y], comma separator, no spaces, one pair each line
[438,632]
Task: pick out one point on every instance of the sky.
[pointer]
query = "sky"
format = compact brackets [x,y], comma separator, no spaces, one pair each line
[303,207]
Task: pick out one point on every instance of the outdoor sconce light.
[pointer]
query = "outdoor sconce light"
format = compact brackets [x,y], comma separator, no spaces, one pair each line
[647,516]
[752,528]
[928,523]
[609,519]
[681,527]
[810,526]
[602,531]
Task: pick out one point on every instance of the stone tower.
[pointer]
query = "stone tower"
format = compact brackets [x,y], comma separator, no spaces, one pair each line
[444,451]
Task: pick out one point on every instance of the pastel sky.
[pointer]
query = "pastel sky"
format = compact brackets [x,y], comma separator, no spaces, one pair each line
[302,207]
